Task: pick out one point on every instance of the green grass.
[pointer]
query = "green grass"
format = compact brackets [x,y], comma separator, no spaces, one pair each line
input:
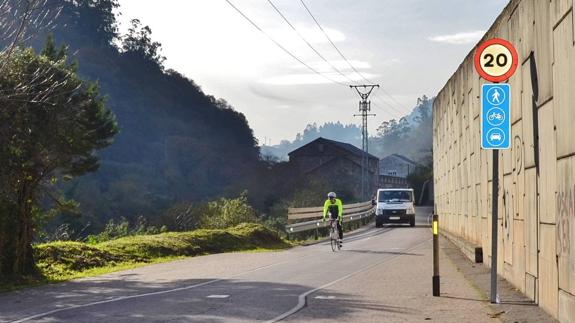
[65,260]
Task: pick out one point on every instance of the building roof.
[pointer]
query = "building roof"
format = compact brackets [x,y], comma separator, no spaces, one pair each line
[342,145]
[403,158]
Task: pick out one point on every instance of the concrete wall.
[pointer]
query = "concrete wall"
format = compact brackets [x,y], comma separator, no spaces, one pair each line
[537,176]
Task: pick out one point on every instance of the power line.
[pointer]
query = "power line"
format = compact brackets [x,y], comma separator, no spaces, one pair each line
[308,44]
[387,111]
[317,52]
[281,47]
[333,44]
[344,58]
[392,98]
[393,107]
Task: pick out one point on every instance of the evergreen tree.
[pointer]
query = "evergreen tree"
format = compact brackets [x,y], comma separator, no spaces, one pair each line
[49,129]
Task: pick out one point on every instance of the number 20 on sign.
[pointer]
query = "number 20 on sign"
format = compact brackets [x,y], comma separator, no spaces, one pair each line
[496,60]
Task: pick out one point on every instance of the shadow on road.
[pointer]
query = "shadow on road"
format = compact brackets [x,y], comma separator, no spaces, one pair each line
[406,226]
[383,252]
[465,298]
[131,300]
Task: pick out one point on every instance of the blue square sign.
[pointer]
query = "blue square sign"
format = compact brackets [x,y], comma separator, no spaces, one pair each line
[495,116]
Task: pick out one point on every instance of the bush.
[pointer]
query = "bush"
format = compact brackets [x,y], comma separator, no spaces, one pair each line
[115,230]
[225,213]
[219,214]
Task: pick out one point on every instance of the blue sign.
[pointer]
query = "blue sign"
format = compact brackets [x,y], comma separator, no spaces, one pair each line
[495,116]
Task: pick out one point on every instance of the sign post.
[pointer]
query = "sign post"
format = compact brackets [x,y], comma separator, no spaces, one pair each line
[495,60]
[435,280]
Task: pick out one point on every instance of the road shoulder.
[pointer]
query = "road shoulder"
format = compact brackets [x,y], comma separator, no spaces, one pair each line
[399,290]
[514,306]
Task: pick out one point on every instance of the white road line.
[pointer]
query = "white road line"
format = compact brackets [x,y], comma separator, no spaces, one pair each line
[324,297]
[123,298]
[363,236]
[218,296]
[302,297]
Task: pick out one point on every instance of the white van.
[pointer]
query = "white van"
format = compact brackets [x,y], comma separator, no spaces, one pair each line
[394,205]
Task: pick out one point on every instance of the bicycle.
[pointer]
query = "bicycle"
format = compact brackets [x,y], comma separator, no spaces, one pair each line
[495,116]
[334,235]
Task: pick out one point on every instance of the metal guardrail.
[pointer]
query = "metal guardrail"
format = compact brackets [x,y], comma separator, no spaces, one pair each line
[304,213]
[360,211]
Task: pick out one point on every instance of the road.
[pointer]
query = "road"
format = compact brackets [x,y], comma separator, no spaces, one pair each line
[300,284]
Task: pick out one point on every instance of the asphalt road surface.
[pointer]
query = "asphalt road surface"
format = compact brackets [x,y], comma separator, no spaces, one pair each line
[288,285]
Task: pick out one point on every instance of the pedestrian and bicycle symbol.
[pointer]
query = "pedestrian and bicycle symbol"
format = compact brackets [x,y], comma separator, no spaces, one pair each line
[495,96]
[496,116]
[495,123]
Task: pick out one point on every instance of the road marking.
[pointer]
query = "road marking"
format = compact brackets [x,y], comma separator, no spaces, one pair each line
[302,297]
[218,296]
[123,298]
[361,236]
[324,297]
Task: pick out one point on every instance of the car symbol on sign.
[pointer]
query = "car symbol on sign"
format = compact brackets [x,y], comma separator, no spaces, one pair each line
[495,136]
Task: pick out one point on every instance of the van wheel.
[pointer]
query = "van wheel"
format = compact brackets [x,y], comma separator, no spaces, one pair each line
[412,222]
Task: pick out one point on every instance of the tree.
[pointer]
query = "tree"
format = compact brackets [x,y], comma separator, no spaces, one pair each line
[87,23]
[138,42]
[50,129]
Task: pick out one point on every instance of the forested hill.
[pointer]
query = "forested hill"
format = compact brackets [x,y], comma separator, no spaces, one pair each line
[176,143]
[410,135]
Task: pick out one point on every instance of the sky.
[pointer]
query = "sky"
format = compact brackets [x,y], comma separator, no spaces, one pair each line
[408,47]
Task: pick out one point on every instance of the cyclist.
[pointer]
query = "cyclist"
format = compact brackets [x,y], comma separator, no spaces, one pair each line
[334,208]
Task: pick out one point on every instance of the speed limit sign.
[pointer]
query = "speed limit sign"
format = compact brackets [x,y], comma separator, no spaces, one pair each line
[496,60]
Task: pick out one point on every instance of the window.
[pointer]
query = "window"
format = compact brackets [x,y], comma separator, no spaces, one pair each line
[395,196]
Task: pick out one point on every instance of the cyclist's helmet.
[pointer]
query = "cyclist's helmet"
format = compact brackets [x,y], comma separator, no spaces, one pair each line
[331,195]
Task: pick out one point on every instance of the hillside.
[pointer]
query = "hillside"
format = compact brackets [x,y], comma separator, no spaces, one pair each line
[176,143]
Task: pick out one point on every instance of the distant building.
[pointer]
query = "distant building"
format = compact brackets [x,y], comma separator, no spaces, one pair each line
[386,181]
[336,163]
[394,169]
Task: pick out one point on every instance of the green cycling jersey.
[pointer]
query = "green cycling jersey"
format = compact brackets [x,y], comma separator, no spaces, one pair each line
[333,206]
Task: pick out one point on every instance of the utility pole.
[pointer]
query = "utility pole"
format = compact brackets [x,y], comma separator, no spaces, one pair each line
[364,108]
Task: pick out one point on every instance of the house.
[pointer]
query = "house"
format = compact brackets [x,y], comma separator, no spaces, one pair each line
[338,165]
[394,169]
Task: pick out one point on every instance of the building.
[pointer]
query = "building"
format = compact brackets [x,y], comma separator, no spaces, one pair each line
[397,166]
[336,163]
[393,171]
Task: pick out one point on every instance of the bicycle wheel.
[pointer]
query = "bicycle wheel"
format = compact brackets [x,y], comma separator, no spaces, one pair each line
[333,240]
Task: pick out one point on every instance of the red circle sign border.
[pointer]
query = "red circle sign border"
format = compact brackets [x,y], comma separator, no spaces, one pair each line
[514,57]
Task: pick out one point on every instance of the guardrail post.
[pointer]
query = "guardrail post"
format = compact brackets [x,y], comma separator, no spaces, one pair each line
[435,255]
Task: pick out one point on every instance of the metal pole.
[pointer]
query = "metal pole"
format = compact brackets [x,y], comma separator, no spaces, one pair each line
[494,227]
[435,280]
[364,107]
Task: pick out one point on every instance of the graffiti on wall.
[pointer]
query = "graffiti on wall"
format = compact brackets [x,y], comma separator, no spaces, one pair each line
[517,154]
[517,170]
[565,215]
[506,220]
